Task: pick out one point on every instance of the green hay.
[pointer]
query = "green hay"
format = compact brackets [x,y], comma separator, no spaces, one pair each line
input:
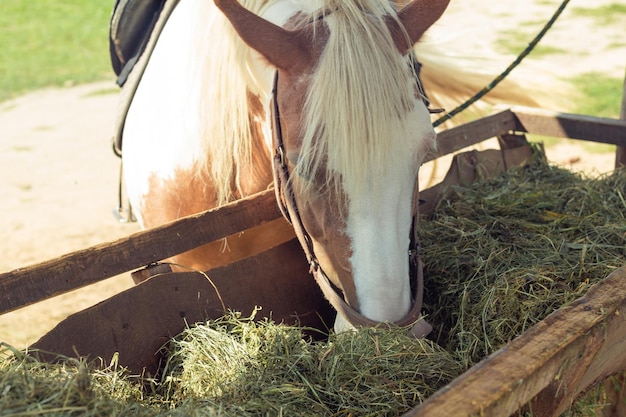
[238,367]
[72,388]
[250,369]
[500,255]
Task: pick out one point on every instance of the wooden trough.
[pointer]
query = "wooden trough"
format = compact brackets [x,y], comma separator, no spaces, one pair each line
[546,368]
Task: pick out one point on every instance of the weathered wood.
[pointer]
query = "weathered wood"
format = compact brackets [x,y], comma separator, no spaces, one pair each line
[615,387]
[554,361]
[572,126]
[138,321]
[149,271]
[512,140]
[467,167]
[29,285]
[530,120]
[620,155]
[459,137]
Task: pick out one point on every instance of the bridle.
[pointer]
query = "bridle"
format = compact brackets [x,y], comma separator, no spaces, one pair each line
[286,201]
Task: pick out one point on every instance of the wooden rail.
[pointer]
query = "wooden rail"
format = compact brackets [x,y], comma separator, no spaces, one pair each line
[32,284]
[552,363]
[469,134]
[533,121]
[547,367]
[572,126]
[35,283]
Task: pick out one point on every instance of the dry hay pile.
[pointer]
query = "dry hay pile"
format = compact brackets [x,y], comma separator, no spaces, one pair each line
[236,367]
[504,253]
[500,256]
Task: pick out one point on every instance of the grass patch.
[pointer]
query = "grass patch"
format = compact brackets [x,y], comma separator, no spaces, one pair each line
[513,42]
[26,187]
[601,95]
[603,15]
[598,95]
[52,43]
[21,149]
[103,92]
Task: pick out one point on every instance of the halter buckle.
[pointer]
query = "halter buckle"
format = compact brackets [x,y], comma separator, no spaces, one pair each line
[280,155]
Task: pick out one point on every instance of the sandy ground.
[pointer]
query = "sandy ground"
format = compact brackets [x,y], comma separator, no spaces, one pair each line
[58,176]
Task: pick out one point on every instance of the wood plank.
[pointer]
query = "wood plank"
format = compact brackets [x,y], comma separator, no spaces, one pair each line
[459,137]
[467,167]
[553,362]
[620,154]
[530,120]
[137,322]
[572,126]
[615,387]
[35,283]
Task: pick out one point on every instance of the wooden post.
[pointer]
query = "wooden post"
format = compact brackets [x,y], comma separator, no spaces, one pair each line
[35,283]
[615,386]
[620,156]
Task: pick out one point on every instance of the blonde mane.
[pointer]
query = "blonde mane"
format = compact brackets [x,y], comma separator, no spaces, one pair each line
[358,96]
[221,69]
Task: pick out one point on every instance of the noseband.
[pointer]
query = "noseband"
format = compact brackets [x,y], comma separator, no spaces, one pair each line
[286,201]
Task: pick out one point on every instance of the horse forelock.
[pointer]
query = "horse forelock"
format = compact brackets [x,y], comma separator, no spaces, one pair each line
[359,95]
[353,105]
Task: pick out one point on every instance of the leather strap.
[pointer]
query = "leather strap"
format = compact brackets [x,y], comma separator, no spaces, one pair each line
[287,204]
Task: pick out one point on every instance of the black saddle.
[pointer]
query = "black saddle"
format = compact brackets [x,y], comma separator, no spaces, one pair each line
[132,23]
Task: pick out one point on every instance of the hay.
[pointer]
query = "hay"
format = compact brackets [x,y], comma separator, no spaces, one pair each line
[500,255]
[71,388]
[238,367]
[249,369]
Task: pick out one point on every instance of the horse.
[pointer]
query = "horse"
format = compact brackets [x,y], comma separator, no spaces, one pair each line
[337,80]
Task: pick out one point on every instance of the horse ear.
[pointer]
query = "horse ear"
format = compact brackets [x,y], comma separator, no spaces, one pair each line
[417,17]
[282,48]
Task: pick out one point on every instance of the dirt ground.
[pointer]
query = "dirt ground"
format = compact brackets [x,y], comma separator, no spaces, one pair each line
[59,176]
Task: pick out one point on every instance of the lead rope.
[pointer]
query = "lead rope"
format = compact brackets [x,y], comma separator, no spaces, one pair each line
[507,71]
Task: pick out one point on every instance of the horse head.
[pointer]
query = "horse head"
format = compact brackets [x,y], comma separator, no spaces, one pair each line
[354,131]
